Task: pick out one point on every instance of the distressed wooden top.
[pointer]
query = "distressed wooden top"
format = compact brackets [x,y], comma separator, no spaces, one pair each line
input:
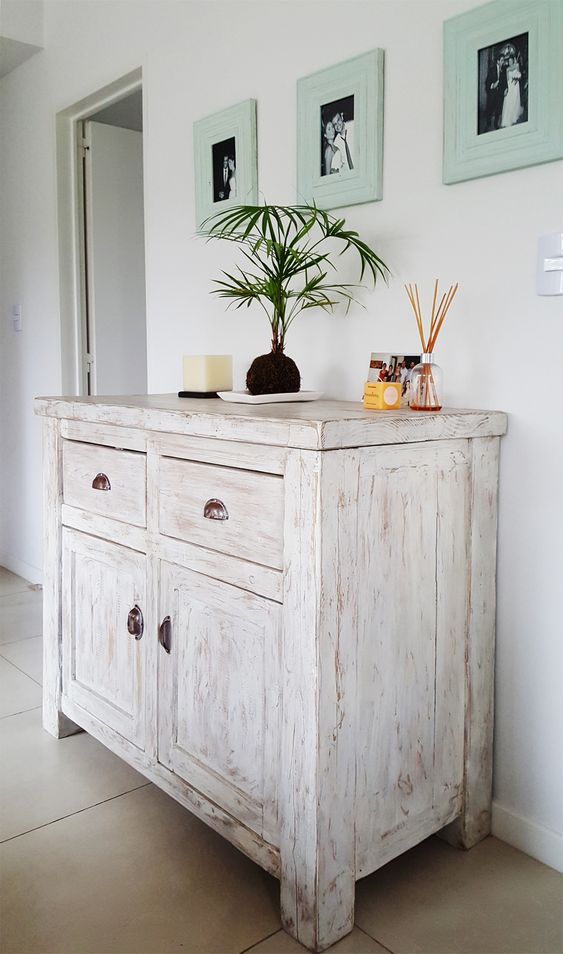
[314,425]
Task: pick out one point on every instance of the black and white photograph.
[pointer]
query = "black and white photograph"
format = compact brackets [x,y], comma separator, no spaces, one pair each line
[337,136]
[340,133]
[224,170]
[503,84]
[225,159]
[502,89]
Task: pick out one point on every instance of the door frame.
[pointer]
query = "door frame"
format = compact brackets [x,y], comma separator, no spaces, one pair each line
[72,278]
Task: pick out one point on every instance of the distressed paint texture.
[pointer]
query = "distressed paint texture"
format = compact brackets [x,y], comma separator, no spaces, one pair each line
[103,664]
[412,581]
[327,699]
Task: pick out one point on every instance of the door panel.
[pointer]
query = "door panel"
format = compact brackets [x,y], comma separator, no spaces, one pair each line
[218,694]
[103,663]
[115,259]
[412,609]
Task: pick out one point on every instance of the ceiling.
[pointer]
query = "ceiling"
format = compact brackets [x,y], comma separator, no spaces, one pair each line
[13,53]
[126,113]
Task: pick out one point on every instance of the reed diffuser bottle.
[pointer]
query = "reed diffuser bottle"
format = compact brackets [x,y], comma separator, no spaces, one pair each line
[426,385]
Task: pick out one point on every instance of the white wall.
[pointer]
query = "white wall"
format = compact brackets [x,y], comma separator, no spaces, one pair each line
[22,21]
[21,32]
[482,233]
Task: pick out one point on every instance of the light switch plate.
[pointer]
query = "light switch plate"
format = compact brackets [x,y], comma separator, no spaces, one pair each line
[550,264]
[17,317]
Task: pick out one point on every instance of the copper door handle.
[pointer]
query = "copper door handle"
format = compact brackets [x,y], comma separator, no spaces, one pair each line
[165,634]
[135,623]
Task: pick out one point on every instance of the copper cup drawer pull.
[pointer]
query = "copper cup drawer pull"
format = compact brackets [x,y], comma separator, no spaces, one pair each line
[165,634]
[215,510]
[101,482]
[135,623]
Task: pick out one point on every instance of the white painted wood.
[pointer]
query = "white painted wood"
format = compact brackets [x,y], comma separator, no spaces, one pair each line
[316,425]
[452,609]
[412,620]
[317,778]
[153,486]
[153,588]
[362,591]
[397,617]
[251,844]
[124,438]
[53,719]
[253,502]
[266,458]
[115,252]
[262,580]
[105,527]
[426,824]
[126,471]
[218,690]
[103,665]
[474,823]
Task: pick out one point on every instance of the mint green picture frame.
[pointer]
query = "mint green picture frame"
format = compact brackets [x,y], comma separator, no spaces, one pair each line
[238,122]
[361,77]
[468,155]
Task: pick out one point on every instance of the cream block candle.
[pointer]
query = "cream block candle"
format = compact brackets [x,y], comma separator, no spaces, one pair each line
[208,372]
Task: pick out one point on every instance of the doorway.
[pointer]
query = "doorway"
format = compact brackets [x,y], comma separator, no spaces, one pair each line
[101,216]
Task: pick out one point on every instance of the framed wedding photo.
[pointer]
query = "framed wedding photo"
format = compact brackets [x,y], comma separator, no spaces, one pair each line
[225,160]
[503,77]
[340,133]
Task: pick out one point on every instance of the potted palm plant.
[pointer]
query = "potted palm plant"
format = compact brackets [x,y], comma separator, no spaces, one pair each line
[287,252]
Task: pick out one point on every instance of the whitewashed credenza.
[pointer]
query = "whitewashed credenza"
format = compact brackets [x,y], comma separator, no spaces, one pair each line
[284,616]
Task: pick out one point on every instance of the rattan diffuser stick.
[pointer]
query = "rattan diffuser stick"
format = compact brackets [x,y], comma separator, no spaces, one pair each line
[425,396]
[437,317]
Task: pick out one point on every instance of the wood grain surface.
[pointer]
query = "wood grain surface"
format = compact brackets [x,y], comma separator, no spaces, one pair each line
[327,701]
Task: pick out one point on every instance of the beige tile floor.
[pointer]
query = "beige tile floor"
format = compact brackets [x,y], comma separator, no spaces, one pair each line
[94,859]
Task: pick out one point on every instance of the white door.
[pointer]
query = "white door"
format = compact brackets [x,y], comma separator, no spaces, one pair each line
[219,700]
[115,260]
[103,628]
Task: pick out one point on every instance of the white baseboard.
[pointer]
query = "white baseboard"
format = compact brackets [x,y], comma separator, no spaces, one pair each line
[30,573]
[535,840]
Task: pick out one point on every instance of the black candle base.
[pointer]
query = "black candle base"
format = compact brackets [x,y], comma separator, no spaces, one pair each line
[197,394]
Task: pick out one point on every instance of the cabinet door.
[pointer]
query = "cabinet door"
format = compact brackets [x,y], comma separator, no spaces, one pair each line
[103,644]
[218,694]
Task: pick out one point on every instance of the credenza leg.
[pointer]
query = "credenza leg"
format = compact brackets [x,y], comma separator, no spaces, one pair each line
[317,777]
[474,823]
[54,721]
[57,724]
[317,914]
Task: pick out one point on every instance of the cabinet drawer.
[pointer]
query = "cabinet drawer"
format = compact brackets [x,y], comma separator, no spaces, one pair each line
[238,512]
[105,480]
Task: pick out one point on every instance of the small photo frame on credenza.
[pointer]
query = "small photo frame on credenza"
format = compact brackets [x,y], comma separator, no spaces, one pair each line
[384,366]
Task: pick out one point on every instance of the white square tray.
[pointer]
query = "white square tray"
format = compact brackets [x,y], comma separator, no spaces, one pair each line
[244,397]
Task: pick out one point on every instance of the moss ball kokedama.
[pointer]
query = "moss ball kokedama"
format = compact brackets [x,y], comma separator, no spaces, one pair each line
[286,271]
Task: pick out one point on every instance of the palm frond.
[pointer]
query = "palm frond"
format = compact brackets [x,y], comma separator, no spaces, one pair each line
[286,265]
